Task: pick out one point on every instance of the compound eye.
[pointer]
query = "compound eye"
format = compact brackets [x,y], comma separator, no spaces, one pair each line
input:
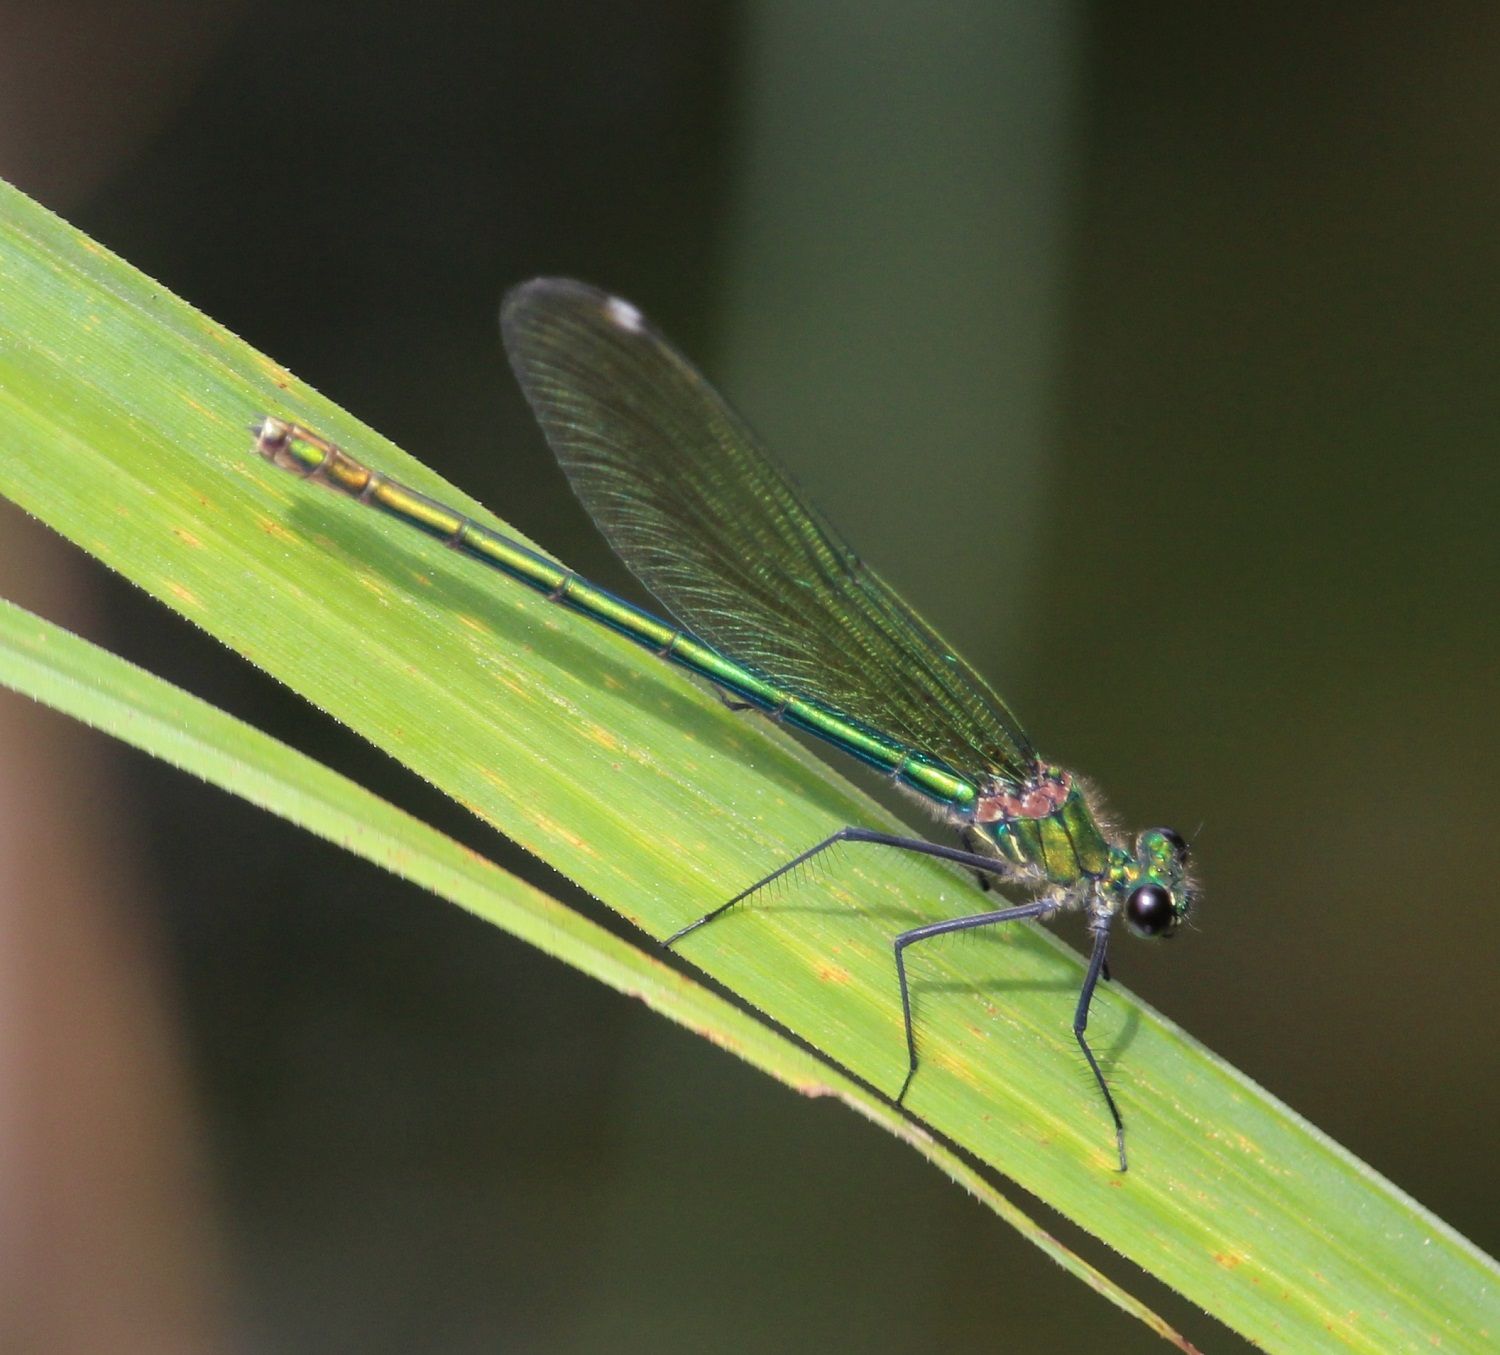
[1149,911]
[1178,844]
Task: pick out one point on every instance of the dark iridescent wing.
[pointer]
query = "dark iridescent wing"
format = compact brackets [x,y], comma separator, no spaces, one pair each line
[718,532]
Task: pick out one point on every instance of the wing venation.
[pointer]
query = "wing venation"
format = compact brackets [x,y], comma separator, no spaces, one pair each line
[721,535]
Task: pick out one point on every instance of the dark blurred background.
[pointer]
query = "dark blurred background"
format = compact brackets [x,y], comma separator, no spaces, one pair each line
[1155,359]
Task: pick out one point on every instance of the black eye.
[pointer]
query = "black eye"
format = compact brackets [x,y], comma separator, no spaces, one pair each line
[1179,844]
[1149,911]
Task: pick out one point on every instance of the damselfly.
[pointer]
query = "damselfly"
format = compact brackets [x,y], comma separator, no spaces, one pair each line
[777,612]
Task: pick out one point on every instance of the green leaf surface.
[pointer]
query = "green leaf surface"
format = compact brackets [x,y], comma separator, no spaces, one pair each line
[122,424]
[51,666]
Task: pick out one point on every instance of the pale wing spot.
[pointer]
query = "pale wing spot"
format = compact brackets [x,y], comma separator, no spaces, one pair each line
[624,314]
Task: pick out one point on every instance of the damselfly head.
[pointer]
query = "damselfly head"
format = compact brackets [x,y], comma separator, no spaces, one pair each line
[1161,891]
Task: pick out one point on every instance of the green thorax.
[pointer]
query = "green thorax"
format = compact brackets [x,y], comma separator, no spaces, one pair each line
[1046,824]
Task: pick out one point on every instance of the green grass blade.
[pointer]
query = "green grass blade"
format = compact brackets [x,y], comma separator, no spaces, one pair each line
[58,669]
[122,417]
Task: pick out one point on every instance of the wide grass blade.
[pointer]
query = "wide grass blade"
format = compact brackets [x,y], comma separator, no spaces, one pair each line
[71,675]
[122,417]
